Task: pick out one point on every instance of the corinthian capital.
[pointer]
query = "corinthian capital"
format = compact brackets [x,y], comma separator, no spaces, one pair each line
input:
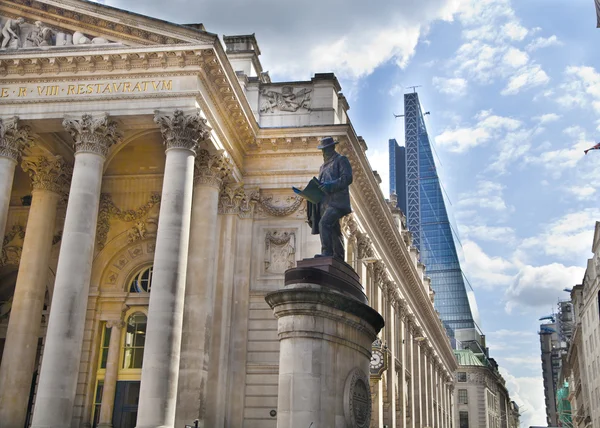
[211,169]
[93,134]
[182,131]
[234,199]
[48,173]
[14,138]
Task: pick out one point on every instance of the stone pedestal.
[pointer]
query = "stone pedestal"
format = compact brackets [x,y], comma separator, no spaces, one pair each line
[325,330]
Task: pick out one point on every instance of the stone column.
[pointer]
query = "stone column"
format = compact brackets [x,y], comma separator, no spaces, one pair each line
[325,346]
[62,349]
[14,138]
[419,383]
[50,177]
[200,288]
[425,392]
[410,341]
[403,345]
[160,370]
[111,373]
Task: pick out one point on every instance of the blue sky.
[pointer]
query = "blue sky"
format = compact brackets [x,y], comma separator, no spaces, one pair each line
[514,94]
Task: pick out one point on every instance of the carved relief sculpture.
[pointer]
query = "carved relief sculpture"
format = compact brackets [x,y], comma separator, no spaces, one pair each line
[11,33]
[12,246]
[211,169]
[235,199]
[280,251]
[41,35]
[270,205]
[286,100]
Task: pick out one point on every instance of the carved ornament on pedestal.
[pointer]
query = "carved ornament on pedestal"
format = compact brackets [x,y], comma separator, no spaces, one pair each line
[14,138]
[280,251]
[182,131]
[48,173]
[93,134]
[357,399]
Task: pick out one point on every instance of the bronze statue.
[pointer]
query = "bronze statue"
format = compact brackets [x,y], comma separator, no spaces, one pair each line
[335,176]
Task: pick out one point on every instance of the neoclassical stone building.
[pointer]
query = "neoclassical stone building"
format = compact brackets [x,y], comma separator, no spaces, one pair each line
[146,209]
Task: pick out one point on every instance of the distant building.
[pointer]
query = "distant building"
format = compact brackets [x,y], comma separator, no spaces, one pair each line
[427,219]
[549,344]
[482,400]
[398,173]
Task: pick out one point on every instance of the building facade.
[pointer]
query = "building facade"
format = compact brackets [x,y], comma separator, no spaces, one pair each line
[551,360]
[146,210]
[590,331]
[428,220]
[482,400]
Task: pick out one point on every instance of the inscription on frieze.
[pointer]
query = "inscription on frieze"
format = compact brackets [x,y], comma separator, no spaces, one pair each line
[75,89]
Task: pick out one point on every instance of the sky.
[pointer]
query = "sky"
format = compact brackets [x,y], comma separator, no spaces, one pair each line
[513,88]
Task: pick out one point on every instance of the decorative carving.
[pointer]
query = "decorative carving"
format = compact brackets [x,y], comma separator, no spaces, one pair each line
[11,33]
[12,246]
[210,169]
[48,173]
[234,199]
[357,399]
[108,209]
[365,250]
[117,324]
[280,251]
[349,225]
[14,138]
[286,100]
[268,208]
[93,135]
[182,131]
[41,35]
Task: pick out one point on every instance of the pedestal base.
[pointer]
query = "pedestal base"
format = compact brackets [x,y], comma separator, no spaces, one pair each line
[325,335]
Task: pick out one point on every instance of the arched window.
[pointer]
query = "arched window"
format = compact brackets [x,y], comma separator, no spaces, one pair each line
[135,338]
[142,281]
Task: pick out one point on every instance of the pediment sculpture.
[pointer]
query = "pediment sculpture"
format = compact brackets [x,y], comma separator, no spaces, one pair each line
[19,34]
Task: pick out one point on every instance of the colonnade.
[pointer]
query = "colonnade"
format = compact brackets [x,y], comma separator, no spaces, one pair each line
[418,389]
[186,195]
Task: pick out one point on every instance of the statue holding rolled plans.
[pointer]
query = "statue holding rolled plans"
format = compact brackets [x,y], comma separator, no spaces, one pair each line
[328,199]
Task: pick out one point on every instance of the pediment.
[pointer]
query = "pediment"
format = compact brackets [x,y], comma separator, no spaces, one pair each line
[76,24]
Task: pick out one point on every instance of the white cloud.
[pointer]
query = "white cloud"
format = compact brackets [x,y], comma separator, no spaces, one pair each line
[567,238]
[485,271]
[380,162]
[528,393]
[541,286]
[543,42]
[488,127]
[582,192]
[547,118]
[488,195]
[481,232]
[556,161]
[526,77]
[514,30]
[515,57]
[581,88]
[451,86]
[351,41]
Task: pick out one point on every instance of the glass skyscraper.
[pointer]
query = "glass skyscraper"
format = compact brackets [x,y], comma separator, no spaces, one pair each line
[398,173]
[427,219]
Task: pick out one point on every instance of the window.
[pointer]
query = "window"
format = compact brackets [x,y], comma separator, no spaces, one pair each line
[463,397]
[463,419]
[104,346]
[142,281]
[135,338]
[461,376]
[97,403]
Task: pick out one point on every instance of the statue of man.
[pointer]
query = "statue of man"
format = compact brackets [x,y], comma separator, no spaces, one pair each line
[10,31]
[335,177]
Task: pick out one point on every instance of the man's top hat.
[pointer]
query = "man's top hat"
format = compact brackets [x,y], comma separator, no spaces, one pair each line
[326,142]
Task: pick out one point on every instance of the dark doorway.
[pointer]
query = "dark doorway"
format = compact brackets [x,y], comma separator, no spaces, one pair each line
[126,404]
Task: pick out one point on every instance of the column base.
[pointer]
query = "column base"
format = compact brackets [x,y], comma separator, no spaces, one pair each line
[325,330]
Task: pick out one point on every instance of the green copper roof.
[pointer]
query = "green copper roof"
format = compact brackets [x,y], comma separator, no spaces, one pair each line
[466,357]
